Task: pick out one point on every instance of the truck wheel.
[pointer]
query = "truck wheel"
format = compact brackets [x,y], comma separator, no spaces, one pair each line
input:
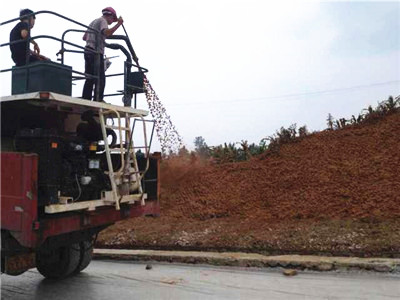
[86,252]
[58,263]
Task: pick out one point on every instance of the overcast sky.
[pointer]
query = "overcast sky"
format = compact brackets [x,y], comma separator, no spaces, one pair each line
[240,69]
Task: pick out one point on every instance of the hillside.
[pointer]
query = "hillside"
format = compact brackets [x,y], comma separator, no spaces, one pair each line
[336,191]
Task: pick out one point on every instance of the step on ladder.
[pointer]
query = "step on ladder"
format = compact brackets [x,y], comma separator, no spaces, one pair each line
[126,182]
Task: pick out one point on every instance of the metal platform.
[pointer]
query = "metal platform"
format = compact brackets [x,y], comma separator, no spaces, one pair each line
[71,104]
[92,204]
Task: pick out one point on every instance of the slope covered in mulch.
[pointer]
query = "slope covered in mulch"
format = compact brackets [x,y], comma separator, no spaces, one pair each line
[332,192]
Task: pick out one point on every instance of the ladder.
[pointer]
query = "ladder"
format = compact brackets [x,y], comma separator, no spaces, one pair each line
[126,182]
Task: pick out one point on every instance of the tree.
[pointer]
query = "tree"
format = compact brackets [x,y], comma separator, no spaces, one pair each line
[183,152]
[330,121]
[201,147]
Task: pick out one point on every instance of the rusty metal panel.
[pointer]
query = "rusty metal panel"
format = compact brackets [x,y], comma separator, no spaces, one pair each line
[19,263]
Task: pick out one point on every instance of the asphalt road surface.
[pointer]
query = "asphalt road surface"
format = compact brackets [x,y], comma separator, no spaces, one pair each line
[116,280]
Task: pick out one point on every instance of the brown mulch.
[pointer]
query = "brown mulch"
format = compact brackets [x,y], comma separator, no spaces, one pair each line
[333,192]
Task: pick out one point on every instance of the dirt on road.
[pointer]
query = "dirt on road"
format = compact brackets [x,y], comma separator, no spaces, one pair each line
[333,192]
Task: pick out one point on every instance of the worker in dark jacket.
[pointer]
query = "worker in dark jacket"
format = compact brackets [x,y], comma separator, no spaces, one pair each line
[21,33]
[92,44]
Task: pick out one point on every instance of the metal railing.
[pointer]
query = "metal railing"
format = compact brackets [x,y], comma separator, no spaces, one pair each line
[128,91]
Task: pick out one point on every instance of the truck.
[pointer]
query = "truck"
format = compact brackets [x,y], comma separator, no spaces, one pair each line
[71,167]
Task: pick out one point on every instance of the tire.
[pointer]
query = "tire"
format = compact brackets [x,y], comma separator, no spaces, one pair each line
[86,253]
[59,263]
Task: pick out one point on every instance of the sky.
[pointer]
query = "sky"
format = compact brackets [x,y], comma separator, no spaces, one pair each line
[241,69]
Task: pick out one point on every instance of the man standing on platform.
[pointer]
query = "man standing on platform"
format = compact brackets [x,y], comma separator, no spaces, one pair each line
[95,48]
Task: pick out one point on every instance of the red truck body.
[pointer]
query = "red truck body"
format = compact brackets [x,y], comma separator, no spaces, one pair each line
[70,167]
[21,221]
[19,174]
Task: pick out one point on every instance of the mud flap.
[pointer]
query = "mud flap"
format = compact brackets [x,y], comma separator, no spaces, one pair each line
[18,264]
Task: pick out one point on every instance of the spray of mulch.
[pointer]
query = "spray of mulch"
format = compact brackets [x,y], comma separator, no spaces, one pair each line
[168,136]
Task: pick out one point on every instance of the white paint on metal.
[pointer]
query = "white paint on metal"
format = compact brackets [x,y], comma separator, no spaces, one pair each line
[92,204]
[65,100]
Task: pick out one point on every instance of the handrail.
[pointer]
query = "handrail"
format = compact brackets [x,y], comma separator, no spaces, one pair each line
[130,55]
[142,69]
[51,13]
[97,33]
[62,50]
[109,161]
[128,43]
[122,48]
[152,131]
[48,37]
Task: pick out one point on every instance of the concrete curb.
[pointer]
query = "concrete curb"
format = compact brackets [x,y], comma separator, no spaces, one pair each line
[319,263]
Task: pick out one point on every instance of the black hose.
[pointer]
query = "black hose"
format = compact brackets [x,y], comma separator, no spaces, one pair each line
[122,48]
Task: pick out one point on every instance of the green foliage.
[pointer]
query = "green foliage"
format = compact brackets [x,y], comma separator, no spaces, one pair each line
[303,131]
[183,152]
[330,121]
[258,149]
[232,152]
[367,115]
[285,136]
[201,147]
[224,153]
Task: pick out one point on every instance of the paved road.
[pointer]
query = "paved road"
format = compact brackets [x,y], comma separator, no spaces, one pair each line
[115,280]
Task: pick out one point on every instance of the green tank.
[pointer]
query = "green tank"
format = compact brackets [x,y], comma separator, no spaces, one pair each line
[42,76]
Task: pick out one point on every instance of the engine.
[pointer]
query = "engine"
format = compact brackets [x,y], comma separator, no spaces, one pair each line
[70,167]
